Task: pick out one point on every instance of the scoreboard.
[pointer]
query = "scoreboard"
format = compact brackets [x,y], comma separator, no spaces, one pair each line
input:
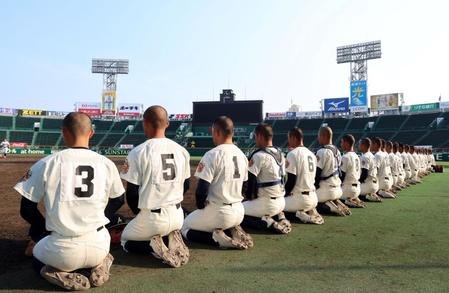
[249,111]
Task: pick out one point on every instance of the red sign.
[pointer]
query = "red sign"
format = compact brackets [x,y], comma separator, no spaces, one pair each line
[18,145]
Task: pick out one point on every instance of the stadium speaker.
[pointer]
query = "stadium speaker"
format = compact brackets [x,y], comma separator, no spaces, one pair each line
[37,126]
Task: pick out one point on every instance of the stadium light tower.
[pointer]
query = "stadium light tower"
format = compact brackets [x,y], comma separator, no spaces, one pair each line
[358,55]
[109,68]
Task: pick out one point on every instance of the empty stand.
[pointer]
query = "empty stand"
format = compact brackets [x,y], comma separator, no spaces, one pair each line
[111,140]
[47,138]
[420,121]
[389,122]
[6,122]
[26,122]
[51,124]
[21,136]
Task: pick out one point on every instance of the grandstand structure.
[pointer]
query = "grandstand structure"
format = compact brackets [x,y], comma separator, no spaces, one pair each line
[415,129]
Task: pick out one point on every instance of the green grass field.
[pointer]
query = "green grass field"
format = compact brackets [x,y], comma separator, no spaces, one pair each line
[400,245]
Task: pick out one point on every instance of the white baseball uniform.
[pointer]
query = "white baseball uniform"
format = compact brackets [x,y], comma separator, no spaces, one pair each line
[270,200]
[350,164]
[370,185]
[400,168]
[393,167]
[159,166]
[406,164]
[413,165]
[225,167]
[75,185]
[330,186]
[383,171]
[5,147]
[302,163]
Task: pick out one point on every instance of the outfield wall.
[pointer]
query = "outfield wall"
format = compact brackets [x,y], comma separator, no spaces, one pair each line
[194,152]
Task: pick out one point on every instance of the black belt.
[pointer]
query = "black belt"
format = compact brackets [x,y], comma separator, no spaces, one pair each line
[269,184]
[273,197]
[158,211]
[386,178]
[100,228]
[305,192]
[374,181]
[355,185]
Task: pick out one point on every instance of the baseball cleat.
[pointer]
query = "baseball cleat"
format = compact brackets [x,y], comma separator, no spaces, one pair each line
[29,248]
[240,235]
[224,241]
[178,247]
[334,208]
[386,194]
[68,281]
[100,274]
[343,207]
[161,251]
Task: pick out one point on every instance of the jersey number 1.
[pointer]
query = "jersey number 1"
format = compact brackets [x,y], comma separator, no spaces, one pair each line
[87,181]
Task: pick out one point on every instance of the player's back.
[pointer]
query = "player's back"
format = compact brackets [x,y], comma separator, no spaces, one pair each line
[350,164]
[225,167]
[75,184]
[159,167]
[269,166]
[303,162]
[328,160]
[368,162]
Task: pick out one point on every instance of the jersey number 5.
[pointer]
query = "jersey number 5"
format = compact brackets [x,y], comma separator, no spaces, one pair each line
[168,167]
[87,181]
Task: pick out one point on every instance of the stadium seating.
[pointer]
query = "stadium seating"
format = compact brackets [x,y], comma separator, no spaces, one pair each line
[360,124]
[336,123]
[111,140]
[26,123]
[21,136]
[310,124]
[102,125]
[388,122]
[53,124]
[96,138]
[121,126]
[47,138]
[134,139]
[420,121]
[5,122]
[2,135]
[410,137]
[436,138]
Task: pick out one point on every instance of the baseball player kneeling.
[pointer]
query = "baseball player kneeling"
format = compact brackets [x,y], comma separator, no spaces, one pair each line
[383,169]
[157,172]
[327,180]
[265,186]
[368,174]
[220,174]
[77,186]
[350,173]
[301,199]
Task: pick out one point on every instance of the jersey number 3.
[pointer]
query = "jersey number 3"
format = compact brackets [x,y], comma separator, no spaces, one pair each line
[85,181]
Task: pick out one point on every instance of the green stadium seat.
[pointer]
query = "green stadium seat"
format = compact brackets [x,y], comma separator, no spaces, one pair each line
[26,122]
[389,122]
[122,125]
[6,122]
[51,123]
[336,123]
[420,121]
[21,136]
[102,125]
[134,139]
[47,138]
[359,124]
[111,140]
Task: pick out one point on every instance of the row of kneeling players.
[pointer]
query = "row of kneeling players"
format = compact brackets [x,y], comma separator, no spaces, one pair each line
[82,192]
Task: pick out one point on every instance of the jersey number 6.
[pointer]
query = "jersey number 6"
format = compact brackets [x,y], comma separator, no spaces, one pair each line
[87,181]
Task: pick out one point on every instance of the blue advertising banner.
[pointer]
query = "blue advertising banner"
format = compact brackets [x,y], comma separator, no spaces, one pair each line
[359,98]
[337,105]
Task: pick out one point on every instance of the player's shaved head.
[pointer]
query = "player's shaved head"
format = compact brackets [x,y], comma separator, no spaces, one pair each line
[156,116]
[77,124]
[296,133]
[366,142]
[265,130]
[349,139]
[224,125]
[325,131]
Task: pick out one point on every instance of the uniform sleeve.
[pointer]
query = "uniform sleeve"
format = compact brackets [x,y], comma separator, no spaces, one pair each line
[320,159]
[245,173]
[206,168]
[291,164]
[32,184]
[344,164]
[187,164]
[255,165]
[116,187]
[130,169]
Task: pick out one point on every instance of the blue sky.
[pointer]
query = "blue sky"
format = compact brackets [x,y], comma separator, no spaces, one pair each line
[184,51]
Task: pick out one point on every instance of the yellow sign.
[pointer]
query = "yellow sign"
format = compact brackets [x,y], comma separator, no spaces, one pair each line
[25,112]
[108,102]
